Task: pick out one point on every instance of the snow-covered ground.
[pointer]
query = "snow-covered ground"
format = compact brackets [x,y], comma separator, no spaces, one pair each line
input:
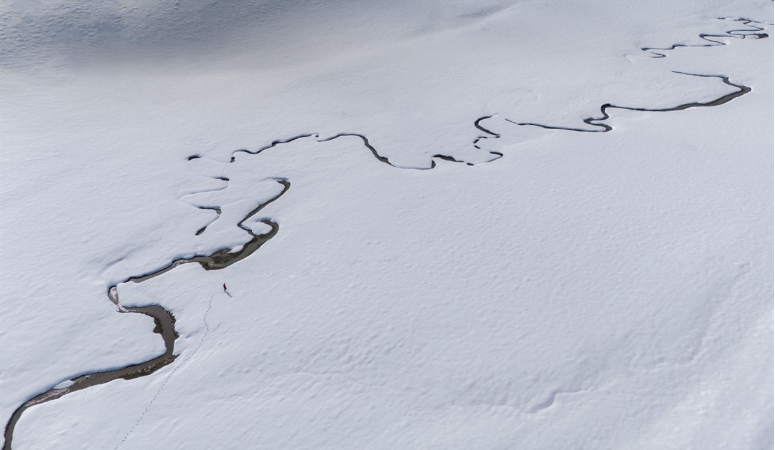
[585,290]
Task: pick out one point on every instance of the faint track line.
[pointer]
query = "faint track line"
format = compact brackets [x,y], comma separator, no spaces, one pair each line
[172,372]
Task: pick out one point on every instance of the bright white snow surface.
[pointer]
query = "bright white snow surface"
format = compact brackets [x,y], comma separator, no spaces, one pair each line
[586,290]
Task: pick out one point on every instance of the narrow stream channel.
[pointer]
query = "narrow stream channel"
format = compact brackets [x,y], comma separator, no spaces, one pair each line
[164,320]
[223,258]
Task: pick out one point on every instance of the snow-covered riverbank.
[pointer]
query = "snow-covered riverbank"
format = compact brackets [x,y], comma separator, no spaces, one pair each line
[586,290]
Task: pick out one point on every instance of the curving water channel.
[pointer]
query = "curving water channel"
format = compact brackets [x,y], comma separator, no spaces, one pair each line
[164,320]
[223,258]
[604,127]
[753,31]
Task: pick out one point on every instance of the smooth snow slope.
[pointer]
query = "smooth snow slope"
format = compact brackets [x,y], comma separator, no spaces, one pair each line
[587,290]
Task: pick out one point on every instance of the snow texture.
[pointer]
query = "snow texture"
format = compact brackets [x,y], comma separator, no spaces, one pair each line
[448,273]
